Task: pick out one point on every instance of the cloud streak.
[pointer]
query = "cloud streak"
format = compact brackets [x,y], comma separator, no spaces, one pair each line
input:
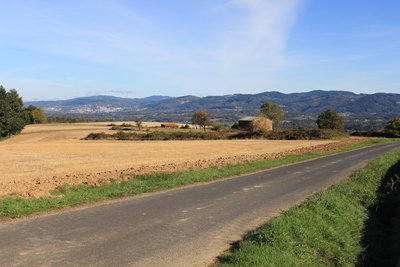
[260,35]
[212,44]
[257,31]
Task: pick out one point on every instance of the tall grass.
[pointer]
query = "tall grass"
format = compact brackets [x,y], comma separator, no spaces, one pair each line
[330,229]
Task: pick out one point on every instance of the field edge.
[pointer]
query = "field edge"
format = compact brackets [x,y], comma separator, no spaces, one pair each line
[73,196]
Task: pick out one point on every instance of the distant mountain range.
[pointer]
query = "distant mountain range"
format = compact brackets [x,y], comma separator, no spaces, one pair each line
[361,111]
[96,105]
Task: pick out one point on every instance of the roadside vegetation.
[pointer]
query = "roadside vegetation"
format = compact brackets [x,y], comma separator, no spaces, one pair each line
[70,196]
[353,223]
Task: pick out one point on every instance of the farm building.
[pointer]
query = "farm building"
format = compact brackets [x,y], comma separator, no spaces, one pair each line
[169,125]
[255,124]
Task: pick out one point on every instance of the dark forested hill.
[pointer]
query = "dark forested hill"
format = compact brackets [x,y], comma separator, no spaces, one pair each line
[360,110]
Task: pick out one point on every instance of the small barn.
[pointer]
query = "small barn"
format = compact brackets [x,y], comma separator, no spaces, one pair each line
[255,123]
[169,125]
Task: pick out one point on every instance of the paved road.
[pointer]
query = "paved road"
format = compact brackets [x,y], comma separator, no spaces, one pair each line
[184,227]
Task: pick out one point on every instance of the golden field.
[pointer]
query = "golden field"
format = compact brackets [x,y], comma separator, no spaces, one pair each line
[46,156]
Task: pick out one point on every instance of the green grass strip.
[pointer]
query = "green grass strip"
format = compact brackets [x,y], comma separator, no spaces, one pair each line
[13,207]
[328,229]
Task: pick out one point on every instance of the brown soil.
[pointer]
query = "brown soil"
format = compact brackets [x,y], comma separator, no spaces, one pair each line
[45,157]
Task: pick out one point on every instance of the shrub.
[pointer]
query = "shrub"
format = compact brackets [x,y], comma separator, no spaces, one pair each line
[98,136]
[262,125]
[187,135]
[121,128]
[217,127]
[186,126]
[292,134]
[374,134]
[304,134]
[159,135]
[393,127]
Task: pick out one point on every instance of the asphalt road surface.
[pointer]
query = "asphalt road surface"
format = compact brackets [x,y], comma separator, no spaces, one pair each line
[182,227]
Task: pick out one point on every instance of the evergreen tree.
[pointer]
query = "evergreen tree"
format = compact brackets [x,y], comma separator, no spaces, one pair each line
[13,116]
[3,111]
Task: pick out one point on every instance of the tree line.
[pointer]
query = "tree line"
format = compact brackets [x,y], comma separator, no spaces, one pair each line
[14,116]
[327,119]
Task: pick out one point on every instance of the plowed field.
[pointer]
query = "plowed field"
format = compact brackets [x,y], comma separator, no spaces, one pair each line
[44,157]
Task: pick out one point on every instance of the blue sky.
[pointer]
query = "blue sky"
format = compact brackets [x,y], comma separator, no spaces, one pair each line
[64,49]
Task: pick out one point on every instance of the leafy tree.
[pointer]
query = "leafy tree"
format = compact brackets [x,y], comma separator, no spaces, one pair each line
[35,115]
[12,113]
[39,116]
[329,119]
[272,111]
[201,117]
[393,127]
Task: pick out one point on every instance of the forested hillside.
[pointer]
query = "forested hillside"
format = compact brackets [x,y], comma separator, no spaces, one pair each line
[361,111]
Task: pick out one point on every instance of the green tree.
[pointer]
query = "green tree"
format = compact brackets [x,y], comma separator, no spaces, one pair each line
[35,115]
[201,118]
[12,113]
[39,116]
[3,112]
[393,127]
[329,119]
[272,111]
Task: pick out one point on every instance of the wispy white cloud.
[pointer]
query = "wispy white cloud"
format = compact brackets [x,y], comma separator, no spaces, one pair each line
[240,36]
[259,36]
[257,31]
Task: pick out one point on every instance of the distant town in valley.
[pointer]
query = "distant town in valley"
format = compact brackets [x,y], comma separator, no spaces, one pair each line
[368,112]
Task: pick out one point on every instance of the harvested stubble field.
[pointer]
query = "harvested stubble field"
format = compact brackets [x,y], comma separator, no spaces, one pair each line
[44,157]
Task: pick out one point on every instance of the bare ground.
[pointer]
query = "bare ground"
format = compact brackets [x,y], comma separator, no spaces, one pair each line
[45,157]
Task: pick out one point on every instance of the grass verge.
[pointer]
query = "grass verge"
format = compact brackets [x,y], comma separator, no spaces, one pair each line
[13,207]
[353,223]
